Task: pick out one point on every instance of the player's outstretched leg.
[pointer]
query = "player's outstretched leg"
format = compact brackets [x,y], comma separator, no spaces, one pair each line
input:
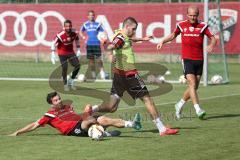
[120,123]
[178,108]
[193,82]
[163,130]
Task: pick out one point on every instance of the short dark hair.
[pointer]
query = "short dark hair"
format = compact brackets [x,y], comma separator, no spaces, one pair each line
[50,96]
[67,21]
[130,20]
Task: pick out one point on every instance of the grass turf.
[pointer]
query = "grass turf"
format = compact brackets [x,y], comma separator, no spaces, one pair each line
[217,137]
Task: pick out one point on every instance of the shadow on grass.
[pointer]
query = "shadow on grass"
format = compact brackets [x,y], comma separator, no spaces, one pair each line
[156,130]
[218,116]
[145,137]
[43,134]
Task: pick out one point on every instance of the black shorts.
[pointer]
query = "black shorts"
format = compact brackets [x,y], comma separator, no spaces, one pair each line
[78,131]
[192,67]
[133,84]
[93,52]
[72,58]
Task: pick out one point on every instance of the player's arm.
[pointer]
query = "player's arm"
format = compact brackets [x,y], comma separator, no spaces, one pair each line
[77,43]
[212,38]
[166,39]
[53,49]
[81,34]
[117,43]
[147,38]
[30,127]
[212,44]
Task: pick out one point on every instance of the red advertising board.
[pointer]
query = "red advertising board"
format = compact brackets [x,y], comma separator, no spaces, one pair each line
[31,28]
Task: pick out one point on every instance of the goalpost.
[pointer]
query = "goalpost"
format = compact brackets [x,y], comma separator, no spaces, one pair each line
[215,63]
[22,66]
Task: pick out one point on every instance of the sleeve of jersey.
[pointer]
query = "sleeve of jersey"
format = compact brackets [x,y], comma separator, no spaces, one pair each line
[177,31]
[101,28]
[82,28]
[45,119]
[118,41]
[207,32]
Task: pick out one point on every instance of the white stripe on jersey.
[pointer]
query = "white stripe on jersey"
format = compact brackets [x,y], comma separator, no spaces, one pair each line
[180,28]
[205,26]
[50,115]
[99,25]
[60,34]
[84,25]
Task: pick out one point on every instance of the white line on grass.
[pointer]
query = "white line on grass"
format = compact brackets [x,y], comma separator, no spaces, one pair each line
[46,79]
[173,102]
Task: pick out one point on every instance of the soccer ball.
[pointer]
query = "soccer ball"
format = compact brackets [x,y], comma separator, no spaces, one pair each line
[182,79]
[81,78]
[102,37]
[168,72]
[96,132]
[216,79]
[160,79]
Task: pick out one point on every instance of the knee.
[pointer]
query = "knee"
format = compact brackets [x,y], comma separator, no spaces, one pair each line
[112,108]
[77,66]
[64,67]
[109,107]
[87,123]
[192,85]
[102,120]
[91,120]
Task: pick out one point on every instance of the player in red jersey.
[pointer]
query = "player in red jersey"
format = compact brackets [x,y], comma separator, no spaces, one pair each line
[192,31]
[62,116]
[63,41]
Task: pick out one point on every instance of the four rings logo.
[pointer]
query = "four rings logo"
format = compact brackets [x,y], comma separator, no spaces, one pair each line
[20,27]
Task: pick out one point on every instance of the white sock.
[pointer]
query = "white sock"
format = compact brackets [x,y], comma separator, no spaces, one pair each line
[159,125]
[102,74]
[197,107]
[95,108]
[93,74]
[181,103]
[128,124]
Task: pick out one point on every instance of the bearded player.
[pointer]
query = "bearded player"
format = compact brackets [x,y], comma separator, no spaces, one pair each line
[63,41]
[62,117]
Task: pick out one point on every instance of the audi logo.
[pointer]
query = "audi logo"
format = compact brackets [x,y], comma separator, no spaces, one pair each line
[20,35]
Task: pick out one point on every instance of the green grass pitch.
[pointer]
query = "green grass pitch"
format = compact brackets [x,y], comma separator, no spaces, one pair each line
[217,137]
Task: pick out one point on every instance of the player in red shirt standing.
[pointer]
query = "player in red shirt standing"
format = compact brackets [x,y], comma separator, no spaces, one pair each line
[62,116]
[64,43]
[192,32]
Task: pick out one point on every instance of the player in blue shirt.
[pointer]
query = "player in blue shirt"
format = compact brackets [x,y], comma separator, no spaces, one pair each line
[93,45]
